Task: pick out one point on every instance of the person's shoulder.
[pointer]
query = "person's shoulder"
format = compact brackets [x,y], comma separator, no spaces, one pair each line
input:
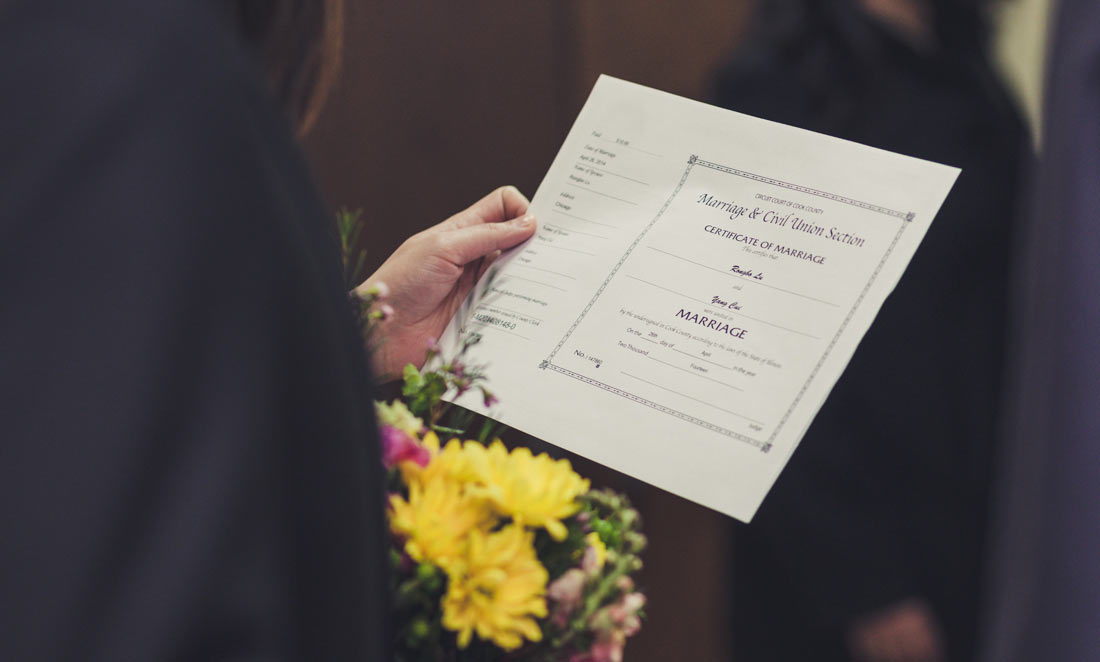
[121,28]
[80,55]
[147,119]
[156,77]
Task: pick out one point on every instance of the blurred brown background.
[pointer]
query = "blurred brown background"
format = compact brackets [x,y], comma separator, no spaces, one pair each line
[441,102]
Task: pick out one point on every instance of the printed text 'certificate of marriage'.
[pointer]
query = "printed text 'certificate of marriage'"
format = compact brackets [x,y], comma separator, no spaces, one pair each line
[698,283]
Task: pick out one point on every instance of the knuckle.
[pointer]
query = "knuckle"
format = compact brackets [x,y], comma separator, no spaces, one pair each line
[434,243]
[416,239]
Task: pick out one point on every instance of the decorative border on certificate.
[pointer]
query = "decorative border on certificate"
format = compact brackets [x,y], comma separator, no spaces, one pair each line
[659,407]
[764,446]
[805,189]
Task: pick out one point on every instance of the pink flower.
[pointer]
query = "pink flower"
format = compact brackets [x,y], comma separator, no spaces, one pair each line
[607,651]
[397,446]
[567,588]
[632,602]
[624,613]
[566,591]
[631,625]
[626,607]
[601,651]
[590,561]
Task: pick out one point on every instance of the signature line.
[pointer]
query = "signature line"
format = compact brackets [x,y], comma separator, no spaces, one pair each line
[691,398]
[699,358]
[537,282]
[527,266]
[613,174]
[694,373]
[572,231]
[547,244]
[747,280]
[731,312]
[508,310]
[592,190]
[636,149]
[606,225]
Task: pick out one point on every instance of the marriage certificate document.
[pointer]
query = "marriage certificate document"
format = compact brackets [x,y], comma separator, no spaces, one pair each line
[697,285]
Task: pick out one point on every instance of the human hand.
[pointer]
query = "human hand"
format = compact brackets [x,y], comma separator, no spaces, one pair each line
[904,632]
[431,273]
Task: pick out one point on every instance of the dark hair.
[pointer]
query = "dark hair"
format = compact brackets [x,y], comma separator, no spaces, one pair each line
[300,42]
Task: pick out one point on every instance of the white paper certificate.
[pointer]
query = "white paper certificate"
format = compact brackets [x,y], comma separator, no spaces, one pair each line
[698,283]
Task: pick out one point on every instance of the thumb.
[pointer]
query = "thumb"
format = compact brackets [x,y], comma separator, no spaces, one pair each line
[476,241]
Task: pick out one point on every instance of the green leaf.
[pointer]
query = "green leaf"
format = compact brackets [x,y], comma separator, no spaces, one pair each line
[413,380]
[486,430]
[454,432]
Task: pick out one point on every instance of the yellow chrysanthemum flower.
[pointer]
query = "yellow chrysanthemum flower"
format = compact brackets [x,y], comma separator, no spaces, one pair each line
[534,490]
[453,462]
[498,590]
[436,520]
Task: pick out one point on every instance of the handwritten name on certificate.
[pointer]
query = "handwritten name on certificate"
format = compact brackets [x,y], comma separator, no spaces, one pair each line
[698,283]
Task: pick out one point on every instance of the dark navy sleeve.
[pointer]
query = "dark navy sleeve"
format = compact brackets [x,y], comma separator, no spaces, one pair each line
[187,463]
[1045,598]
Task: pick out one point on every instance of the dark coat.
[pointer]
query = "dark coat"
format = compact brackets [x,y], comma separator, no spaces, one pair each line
[188,467]
[885,499]
[1046,595]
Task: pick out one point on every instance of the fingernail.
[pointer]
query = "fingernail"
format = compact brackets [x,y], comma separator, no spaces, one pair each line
[516,191]
[529,219]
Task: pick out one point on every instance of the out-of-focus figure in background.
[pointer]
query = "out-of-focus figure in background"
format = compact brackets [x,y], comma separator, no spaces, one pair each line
[870,546]
[1046,593]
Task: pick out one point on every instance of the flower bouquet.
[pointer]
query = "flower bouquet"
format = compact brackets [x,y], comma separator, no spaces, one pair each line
[495,553]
